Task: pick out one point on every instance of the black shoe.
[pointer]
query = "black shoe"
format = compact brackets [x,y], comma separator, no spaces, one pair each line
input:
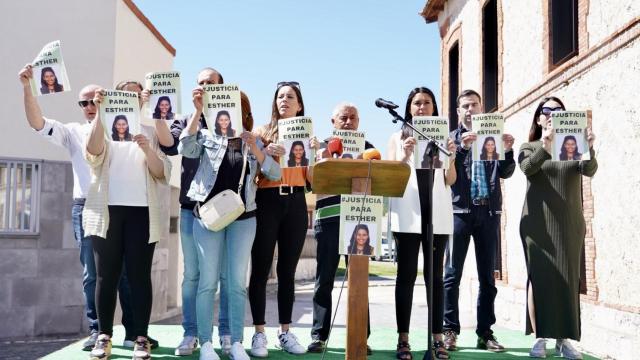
[489,342]
[316,346]
[369,351]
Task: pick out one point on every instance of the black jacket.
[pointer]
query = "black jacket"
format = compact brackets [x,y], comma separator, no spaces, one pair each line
[495,170]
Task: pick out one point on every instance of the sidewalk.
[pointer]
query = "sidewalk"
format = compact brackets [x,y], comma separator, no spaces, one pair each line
[382,340]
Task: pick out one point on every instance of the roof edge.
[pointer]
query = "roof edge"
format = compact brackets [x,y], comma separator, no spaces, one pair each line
[138,13]
[431,10]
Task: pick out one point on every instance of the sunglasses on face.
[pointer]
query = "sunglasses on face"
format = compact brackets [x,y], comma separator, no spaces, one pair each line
[548,110]
[288,83]
[84,103]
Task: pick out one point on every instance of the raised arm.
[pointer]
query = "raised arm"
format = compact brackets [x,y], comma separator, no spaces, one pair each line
[31,107]
[450,174]
[95,143]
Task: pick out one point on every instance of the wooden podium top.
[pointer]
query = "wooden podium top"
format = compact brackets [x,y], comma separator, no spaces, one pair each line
[334,176]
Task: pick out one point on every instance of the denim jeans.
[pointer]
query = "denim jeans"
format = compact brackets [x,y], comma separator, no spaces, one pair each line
[89,275]
[234,243]
[485,229]
[191,274]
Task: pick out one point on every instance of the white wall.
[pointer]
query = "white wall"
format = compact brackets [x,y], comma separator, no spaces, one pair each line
[522,60]
[87,48]
[606,16]
[137,49]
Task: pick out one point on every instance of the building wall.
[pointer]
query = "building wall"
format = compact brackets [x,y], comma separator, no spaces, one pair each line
[40,274]
[602,78]
[138,51]
[87,49]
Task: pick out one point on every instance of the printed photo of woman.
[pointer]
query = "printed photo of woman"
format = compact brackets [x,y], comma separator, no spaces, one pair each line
[360,241]
[489,149]
[49,81]
[223,124]
[163,109]
[120,129]
[297,155]
[569,149]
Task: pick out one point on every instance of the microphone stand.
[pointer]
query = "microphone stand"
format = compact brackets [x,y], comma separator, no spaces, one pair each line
[432,148]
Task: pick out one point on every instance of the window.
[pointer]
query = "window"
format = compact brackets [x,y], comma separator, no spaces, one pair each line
[454,54]
[490,55]
[563,32]
[19,196]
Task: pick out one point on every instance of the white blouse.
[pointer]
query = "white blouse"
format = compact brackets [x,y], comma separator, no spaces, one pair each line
[405,211]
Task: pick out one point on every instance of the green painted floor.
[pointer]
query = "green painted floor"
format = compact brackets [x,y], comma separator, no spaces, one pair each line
[382,341]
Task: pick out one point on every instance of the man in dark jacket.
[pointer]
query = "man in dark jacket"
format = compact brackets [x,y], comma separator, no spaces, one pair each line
[477,204]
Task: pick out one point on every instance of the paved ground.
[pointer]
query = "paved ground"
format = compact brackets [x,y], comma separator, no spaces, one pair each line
[381,293]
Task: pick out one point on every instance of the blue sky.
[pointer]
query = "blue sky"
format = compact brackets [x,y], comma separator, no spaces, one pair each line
[352,51]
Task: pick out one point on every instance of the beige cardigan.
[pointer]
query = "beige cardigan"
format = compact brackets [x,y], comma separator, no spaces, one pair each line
[95,216]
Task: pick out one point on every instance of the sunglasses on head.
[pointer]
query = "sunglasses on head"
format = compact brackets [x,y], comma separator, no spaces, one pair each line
[548,110]
[85,103]
[288,83]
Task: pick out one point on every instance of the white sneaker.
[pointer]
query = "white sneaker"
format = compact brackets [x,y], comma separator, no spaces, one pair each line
[290,344]
[187,346]
[207,352]
[237,352]
[102,349]
[566,350]
[539,349]
[225,344]
[259,345]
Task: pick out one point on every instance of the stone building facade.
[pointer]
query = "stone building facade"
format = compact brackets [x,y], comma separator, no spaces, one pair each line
[585,52]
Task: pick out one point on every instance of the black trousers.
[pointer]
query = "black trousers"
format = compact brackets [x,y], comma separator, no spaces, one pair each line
[408,249]
[126,242]
[327,234]
[280,219]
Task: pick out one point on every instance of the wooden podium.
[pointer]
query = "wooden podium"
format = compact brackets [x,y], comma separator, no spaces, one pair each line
[348,176]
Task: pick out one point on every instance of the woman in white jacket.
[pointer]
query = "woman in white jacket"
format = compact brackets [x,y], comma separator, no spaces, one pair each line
[409,230]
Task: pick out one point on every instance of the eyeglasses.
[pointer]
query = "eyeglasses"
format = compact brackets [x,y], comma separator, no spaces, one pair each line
[288,83]
[548,110]
[84,103]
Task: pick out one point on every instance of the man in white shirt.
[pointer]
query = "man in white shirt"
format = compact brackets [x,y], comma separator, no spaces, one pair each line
[72,137]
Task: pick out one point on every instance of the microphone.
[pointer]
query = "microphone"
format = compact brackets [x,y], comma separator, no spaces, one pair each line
[334,146]
[382,103]
[371,154]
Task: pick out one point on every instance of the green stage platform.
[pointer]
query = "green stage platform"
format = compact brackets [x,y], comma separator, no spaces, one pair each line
[382,341]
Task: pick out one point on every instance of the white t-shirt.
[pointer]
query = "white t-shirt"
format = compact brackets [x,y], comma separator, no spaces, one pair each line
[127,174]
[71,136]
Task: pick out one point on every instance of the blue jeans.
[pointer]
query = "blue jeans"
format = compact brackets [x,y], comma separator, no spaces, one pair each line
[232,243]
[191,274]
[89,275]
[485,229]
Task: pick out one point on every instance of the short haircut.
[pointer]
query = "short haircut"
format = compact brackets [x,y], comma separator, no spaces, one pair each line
[467,92]
[220,79]
[343,105]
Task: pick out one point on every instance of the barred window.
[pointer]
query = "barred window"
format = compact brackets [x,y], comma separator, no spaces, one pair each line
[19,196]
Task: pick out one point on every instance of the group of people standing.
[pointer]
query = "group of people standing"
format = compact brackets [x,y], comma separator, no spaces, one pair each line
[120,201]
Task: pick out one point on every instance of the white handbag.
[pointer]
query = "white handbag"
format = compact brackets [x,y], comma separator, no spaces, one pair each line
[224,208]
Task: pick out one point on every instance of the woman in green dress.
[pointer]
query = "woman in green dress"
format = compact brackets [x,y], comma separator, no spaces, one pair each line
[552,229]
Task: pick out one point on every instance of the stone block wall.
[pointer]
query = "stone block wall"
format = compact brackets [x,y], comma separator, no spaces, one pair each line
[41,276]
